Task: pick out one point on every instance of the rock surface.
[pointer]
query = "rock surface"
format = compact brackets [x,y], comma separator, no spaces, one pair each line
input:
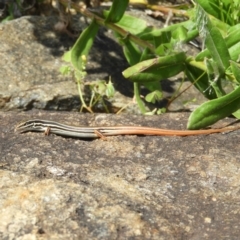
[31,57]
[128,187]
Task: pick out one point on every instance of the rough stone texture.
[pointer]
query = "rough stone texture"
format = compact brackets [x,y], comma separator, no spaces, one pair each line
[31,53]
[128,187]
[31,56]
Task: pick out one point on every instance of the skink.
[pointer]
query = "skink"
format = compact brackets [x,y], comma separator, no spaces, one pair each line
[96,132]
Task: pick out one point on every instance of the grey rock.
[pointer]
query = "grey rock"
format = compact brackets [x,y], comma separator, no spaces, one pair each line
[31,56]
[128,187]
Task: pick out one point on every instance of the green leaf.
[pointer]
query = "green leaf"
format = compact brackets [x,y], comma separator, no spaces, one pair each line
[212,111]
[157,74]
[218,49]
[191,34]
[117,11]
[156,69]
[180,33]
[67,56]
[146,54]
[233,35]
[110,90]
[133,24]
[149,35]
[65,70]
[154,96]
[232,38]
[155,63]
[83,45]
[130,49]
[235,70]
[236,114]
[235,52]
[213,39]
[164,37]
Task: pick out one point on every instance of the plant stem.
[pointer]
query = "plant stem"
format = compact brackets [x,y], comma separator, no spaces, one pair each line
[138,98]
[84,105]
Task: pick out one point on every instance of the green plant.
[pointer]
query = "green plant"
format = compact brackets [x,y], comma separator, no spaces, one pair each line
[155,54]
[99,88]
